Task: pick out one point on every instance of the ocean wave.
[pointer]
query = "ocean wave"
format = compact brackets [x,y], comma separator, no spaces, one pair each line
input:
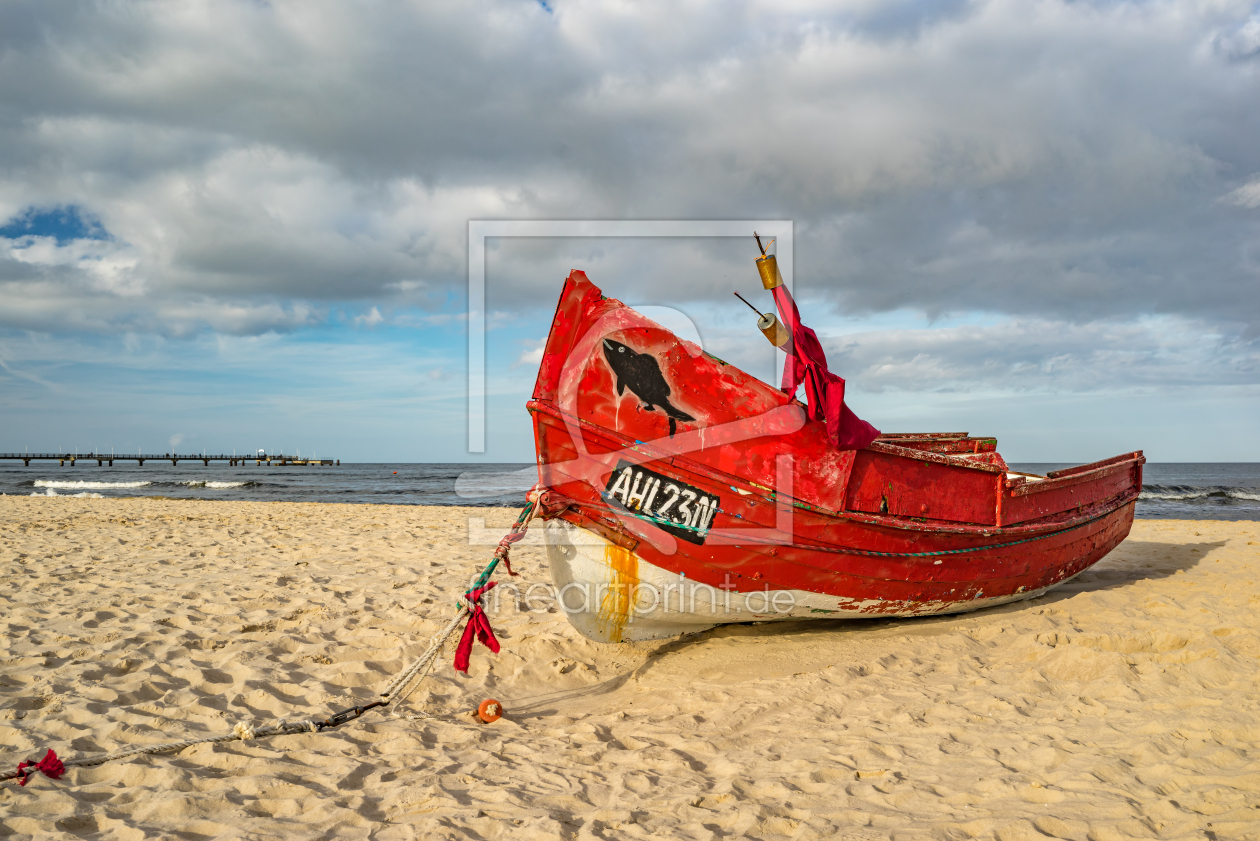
[477,485]
[215,485]
[1177,493]
[84,495]
[66,485]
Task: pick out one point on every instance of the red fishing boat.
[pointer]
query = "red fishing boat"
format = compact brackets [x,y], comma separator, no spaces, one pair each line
[682,493]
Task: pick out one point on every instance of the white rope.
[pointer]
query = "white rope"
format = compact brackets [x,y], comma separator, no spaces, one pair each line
[397,690]
[534,496]
[243,731]
[421,667]
[282,729]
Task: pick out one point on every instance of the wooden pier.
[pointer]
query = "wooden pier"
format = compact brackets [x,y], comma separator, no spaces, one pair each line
[269,459]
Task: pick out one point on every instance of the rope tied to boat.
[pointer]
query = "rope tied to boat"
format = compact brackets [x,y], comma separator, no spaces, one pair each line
[517,532]
[397,691]
[478,627]
[57,767]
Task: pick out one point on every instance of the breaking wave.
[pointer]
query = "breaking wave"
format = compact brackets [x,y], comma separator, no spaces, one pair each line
[479,484]
[1186,493]
[65,485]
[84,495]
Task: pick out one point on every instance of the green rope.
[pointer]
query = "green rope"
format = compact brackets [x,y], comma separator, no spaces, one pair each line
[842,550]
[494,562]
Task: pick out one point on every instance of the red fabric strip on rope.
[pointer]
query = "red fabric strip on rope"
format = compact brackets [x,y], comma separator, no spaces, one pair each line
[505,546]
[50,765]
[478,627]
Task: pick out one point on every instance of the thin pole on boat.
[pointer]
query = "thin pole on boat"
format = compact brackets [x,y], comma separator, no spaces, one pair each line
[768,325]
[750,306]
[759,245]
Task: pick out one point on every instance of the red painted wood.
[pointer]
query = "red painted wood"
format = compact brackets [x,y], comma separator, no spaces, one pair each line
[961,444]
[1030,500]
[1084,468]
[904,486]
[943,491]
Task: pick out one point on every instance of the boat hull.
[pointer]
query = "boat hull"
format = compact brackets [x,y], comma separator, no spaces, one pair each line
[682,493]
[611,594]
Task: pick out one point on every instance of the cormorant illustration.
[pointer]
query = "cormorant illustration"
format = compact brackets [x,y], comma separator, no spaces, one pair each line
[643,375]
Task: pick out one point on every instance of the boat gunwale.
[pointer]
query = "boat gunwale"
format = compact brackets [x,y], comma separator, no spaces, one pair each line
[1020,486]
[927,436]
[878,446]
[1080,469]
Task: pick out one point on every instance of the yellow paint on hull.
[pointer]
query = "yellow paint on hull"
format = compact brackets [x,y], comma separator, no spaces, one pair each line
[623,580]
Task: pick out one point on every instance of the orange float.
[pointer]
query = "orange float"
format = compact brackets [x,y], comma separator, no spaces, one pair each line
[490,710]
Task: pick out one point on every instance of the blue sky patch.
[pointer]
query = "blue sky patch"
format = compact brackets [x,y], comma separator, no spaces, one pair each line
[63,222]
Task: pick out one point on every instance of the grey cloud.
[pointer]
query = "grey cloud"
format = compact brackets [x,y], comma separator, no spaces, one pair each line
[1056,161]
[1045,355]
[103,295]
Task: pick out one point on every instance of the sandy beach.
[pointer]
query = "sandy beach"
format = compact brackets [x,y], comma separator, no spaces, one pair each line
[1122,705]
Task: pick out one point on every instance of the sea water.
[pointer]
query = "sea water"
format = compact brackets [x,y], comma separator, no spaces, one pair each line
[405,484]
[1191,491]
[1203,491]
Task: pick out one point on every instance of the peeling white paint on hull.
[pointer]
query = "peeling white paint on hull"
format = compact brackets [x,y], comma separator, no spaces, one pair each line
[610,594]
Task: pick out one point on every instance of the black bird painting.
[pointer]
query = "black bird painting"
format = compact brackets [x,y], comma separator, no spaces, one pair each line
[641,373]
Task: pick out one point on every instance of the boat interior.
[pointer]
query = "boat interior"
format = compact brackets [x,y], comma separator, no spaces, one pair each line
[908,484]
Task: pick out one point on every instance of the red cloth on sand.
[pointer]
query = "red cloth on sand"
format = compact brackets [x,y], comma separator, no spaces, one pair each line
[50,765]
[824,391]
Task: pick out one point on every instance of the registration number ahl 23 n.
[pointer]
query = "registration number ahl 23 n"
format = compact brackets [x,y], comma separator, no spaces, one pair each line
[681,509]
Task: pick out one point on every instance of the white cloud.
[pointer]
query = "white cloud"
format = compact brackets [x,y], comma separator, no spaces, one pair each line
[1248,195]
[371,318]
[1241,42]
[532,355]
[1043,355]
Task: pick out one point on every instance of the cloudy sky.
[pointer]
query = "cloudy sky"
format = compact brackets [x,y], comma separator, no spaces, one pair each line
[242,224]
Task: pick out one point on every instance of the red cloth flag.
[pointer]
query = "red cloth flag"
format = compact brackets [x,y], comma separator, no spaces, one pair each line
[806,363]
[478,627]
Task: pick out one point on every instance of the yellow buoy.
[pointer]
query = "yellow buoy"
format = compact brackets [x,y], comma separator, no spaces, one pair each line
[768,268]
